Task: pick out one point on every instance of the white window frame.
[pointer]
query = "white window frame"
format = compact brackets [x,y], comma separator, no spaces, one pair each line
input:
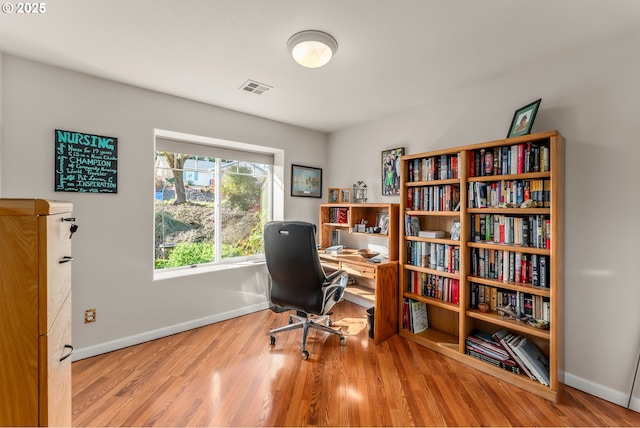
[275,196]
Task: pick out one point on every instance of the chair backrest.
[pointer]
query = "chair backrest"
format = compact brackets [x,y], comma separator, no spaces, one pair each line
[292,260]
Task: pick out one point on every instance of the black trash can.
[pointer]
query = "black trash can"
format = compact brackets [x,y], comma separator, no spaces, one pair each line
[370,321]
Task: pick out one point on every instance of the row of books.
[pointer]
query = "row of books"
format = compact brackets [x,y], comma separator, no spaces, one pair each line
[526,354]
[515,159]
[434,198]
[414,316]
[484,347]
[510,193]
[441,257]
[434,286]
[527,231]
[530,305]
[338,215]
[511,266]
[434,168]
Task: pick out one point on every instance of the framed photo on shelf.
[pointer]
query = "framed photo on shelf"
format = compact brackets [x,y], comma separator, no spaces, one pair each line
[391,171]
[306,181]
[345,195]
[382,221]
[454,235]
[333,195]
[523,119]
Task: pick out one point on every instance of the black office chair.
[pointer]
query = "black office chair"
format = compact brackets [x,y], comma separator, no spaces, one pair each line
[298,281]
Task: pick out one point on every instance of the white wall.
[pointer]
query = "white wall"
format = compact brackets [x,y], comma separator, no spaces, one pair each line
[593,99]
[113,248]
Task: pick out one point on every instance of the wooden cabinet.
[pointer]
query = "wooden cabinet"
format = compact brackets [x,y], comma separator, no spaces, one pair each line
[375,284]
[503,244]
[35,312]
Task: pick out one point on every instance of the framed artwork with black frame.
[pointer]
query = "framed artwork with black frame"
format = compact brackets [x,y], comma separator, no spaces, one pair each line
[523,119]
[391,171]
[306,181]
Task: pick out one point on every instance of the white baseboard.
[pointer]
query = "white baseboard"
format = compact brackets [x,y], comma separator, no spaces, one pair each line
[616,397]
[102,348]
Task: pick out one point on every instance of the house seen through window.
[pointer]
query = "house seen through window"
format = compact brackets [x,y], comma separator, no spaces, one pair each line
[210,204]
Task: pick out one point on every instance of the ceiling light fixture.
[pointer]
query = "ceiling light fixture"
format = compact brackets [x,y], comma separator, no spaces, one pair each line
[312,49]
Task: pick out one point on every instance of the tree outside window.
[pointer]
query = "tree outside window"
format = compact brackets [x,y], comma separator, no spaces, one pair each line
[198,221]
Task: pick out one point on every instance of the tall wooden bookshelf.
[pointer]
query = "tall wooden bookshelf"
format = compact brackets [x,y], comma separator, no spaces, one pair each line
[444,186]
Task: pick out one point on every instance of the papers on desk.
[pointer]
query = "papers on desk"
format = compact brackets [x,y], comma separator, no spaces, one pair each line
[335,249]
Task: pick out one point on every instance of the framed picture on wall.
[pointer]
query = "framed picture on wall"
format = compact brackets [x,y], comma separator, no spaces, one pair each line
[391,171]
[523,119]
[306,181]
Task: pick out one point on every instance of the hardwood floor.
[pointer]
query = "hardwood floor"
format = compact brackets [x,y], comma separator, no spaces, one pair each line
[227,374]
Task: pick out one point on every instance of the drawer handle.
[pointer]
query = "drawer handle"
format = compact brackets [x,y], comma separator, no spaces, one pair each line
[66,259]
[69,354]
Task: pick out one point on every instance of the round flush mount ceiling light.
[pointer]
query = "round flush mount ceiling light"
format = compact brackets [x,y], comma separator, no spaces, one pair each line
[312,49]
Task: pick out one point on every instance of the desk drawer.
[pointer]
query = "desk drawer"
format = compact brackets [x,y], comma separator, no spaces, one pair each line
[359,270]
[329,266]
[55,268]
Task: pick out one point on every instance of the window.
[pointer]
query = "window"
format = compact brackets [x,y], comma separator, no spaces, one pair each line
[211,203]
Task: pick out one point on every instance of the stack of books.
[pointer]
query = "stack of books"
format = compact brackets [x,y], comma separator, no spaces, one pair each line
[526,354]
[484,347]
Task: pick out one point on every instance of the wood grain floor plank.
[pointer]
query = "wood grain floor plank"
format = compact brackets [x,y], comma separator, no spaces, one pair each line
[227,374]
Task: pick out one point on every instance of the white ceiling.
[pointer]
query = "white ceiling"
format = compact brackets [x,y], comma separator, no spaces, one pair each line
[392,55]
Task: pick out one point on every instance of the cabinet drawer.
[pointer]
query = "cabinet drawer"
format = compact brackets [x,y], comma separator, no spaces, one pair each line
[55,277]
[55,375]
[359,270]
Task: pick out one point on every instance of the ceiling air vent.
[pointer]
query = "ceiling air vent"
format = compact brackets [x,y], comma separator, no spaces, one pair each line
[255,87]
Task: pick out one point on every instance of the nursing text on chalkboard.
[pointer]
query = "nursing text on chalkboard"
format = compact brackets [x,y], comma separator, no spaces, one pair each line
[85,162]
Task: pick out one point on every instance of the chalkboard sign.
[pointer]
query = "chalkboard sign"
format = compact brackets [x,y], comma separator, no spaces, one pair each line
[85,162]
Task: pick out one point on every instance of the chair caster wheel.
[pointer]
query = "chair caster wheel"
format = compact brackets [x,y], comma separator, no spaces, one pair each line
[272,340]
[305,355]
[329,322]
[343,341]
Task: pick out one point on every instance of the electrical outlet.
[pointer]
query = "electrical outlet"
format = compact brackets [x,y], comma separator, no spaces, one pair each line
[89,315]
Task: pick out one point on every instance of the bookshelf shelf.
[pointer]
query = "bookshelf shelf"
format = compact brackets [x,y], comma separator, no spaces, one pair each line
[523,288]
[433,182]
[511,177]
[515,211]
[508,323]
[434,213]
[434,339]
[434,240]
[506,247]
[522,268]
[452,275]
[434,302]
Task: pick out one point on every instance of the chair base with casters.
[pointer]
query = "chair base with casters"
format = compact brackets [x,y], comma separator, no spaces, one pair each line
[305,322]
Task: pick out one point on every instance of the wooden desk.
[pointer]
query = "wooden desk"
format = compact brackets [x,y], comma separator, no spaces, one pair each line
[376,285]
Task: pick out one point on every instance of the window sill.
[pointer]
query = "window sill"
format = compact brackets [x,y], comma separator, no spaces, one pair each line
[202,269]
